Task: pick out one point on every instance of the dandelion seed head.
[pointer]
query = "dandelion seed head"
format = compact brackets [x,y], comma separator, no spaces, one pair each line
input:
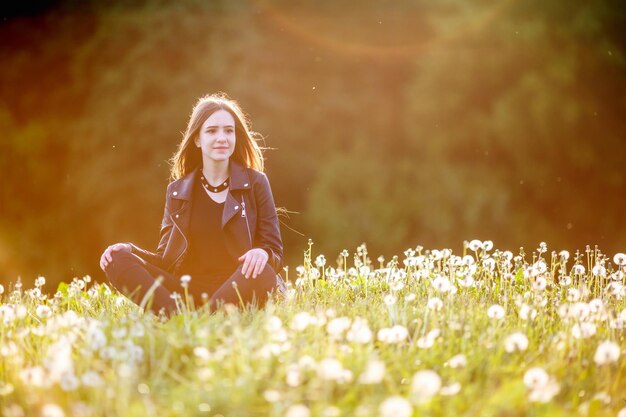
[395,334]
[516,342]
[450,390]
[496,312]
[184,281]
[337,326]
[298,410]
[52,410]
[43,311]
[424,385]
[396,406]
[301,321]
[68,381]
[359,332]
[475,245]
[320,261]
[271,395]
[373,373]
[434,303]
[273,324]
[442,284]
[457,361]
[293,376]
[545,393]
[330,369]
[536,378]
[526,312]
[606,353]
[390,299]
[619,259]
[583,330]
[598,270]
[331,411]
[92,379]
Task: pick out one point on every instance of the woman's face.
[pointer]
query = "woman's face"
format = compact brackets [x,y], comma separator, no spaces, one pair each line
[217,136]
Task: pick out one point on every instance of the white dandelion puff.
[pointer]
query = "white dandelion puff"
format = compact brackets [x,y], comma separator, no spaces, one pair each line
[336,327]
[496,312]
[619,259]
[583,330]
[606,353]
[184,280]
[320,261]
[390,299]
[298,410]
[450,390]
[43,311]
[395,334]
[373,373]
[271,395]
[52,410]
[301,321]
[536,378]
[359,332]
[516,342]
[396,406]
[424,385]
[442,284]
[435,303]
[475,245]
[330,369]
[598,271]
[457,361]
[92,379]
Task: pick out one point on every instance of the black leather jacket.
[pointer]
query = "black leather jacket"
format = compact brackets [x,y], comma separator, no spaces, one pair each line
[249,220]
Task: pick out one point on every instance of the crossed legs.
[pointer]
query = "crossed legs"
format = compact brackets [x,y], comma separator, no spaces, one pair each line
[134,277]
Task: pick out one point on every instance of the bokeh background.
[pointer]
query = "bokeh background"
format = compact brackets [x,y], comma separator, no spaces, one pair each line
[403,123]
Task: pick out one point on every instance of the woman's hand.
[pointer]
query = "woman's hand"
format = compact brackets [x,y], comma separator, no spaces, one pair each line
[253,262]
[106,255]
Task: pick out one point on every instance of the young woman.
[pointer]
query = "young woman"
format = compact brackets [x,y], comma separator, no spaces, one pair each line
[220,225]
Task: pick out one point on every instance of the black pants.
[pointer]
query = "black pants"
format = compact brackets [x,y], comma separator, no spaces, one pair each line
[133,277]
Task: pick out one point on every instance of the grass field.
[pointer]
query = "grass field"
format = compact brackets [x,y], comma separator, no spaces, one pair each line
[430,333]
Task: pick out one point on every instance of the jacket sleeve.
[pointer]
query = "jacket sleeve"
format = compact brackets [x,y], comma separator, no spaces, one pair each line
[267,235]
[156,258]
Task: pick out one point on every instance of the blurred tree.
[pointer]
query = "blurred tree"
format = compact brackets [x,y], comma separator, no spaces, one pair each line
[395,124]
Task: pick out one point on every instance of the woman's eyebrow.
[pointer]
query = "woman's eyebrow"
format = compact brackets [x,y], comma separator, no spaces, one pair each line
[208,127]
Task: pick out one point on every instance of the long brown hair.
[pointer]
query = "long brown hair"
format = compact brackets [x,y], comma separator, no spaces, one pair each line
[247,151]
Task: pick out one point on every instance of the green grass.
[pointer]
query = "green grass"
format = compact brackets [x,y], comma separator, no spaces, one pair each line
[94,353]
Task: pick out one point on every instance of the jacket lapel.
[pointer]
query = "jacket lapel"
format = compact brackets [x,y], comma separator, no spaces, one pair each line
[239,180]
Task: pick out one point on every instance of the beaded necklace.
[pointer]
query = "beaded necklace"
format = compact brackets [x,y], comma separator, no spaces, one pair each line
[212,188]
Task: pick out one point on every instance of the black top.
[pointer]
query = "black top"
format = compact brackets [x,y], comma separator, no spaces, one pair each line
[207,259]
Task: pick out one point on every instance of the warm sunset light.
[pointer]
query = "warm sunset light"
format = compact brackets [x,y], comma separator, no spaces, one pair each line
[423,200]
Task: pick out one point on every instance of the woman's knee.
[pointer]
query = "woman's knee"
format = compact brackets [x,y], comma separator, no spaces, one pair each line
[120,261]
[266,280]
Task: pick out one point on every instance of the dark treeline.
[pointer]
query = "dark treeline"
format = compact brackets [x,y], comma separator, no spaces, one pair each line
[396,124]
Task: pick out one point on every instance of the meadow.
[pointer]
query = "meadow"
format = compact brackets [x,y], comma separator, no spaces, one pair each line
[485,332]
